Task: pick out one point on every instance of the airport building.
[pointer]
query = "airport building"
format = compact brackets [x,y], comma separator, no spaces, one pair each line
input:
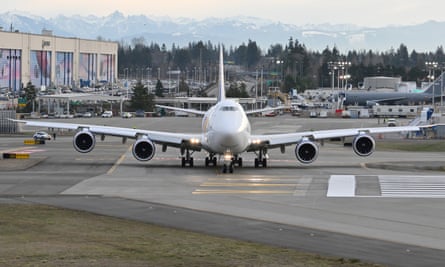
[52,61]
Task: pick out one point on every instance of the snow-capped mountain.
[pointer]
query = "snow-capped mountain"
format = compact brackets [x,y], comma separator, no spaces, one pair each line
[230,31]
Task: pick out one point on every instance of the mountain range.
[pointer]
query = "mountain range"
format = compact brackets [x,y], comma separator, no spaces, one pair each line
[231,31]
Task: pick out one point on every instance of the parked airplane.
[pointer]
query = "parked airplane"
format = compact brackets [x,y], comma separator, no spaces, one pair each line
[225,133]
[370,98]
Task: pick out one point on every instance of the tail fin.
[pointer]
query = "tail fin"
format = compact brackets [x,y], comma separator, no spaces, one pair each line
[221,89]
[434,87]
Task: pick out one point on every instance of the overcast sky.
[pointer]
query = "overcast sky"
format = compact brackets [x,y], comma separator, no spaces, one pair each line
[372,13]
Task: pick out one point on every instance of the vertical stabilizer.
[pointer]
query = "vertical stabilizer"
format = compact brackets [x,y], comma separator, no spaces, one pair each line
[221,89]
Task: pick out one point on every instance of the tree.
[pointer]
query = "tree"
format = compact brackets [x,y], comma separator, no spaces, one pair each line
[141,99]
[236,90]
[159,91]
[184,87]
[30,96]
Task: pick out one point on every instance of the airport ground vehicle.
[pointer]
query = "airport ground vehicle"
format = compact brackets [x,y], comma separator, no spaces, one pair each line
[41,136]
[392,122]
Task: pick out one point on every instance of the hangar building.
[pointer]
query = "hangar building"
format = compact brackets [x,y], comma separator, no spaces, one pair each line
[48,60]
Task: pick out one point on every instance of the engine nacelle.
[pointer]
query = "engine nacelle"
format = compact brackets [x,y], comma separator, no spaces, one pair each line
[306,151]
[144,149]
[363,145]
[84,141]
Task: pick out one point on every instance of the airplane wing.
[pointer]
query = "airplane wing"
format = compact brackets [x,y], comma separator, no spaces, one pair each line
[198,112]
[262,110]
[165,138]
[277,140]
[186,110]
[388,100]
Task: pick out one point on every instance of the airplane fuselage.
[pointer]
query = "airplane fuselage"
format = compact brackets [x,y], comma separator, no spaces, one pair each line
[226,128]
[395,98]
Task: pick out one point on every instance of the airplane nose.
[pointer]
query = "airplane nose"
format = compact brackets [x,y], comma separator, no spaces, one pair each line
[229,140]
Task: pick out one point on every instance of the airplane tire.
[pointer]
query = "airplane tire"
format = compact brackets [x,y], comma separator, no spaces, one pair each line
[182,162]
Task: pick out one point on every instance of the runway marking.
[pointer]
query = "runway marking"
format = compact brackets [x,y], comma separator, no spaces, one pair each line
[30,151]
[412,186]
[92,159]
[118,162]
[217,191]
[391,186]
[25,149]
[341,186]
[246,185]
[253,185]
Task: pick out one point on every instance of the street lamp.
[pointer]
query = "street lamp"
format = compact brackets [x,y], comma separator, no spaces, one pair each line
[431,66]
[148,79]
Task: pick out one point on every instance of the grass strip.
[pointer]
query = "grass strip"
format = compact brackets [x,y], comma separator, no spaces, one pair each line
[37,235]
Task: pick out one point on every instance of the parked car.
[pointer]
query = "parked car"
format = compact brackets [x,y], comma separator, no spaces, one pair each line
[140,113]
[41,136]
[87,115]
[392,122]
[107,114]
[126,115]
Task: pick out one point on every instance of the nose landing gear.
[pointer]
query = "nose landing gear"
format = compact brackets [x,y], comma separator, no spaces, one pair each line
[235,160]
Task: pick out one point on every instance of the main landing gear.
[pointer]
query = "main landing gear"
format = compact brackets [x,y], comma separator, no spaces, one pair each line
[187,159]
[211,159]
[261,160]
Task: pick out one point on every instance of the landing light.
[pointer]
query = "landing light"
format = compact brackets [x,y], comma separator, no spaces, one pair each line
[227,156]
[256,141]
[194,141]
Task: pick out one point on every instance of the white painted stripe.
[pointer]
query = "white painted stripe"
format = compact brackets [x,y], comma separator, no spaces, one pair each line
[341,186]
[412,186]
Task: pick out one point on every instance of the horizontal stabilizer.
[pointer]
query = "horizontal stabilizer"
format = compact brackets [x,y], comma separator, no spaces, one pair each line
[186,110]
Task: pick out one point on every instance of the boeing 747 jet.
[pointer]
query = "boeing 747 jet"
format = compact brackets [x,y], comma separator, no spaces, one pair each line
[225,135]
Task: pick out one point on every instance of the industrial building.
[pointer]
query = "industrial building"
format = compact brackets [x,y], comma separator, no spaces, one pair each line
[46,60]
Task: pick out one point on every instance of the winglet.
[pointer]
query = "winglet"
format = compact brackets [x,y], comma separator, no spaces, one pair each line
[221,89]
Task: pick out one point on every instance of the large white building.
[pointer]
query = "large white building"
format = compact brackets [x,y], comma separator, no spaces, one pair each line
[48,60]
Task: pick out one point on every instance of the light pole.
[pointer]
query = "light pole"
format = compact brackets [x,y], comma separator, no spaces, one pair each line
[148,79]
[126,79]
[169,76]
[432,66]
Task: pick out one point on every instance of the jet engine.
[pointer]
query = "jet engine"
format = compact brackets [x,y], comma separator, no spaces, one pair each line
[363,145]
[306,151]
[144,149]
[84,141]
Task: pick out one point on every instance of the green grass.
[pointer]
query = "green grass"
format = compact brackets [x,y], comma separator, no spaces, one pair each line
[32,235]
[412,145]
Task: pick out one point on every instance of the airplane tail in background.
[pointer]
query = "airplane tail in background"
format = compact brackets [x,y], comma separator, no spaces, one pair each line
[221,89]
[434,87]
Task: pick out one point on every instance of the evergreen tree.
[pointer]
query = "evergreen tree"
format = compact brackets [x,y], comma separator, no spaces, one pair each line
[141,99]
[184,87]
[30,96]
[159,91]
[238,91]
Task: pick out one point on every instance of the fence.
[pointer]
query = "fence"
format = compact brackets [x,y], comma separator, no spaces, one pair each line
[7,126]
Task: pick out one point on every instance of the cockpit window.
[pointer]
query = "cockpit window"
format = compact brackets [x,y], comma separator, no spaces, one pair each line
[229,108]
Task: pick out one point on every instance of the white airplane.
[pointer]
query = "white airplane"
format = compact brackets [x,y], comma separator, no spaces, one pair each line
[225,133]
